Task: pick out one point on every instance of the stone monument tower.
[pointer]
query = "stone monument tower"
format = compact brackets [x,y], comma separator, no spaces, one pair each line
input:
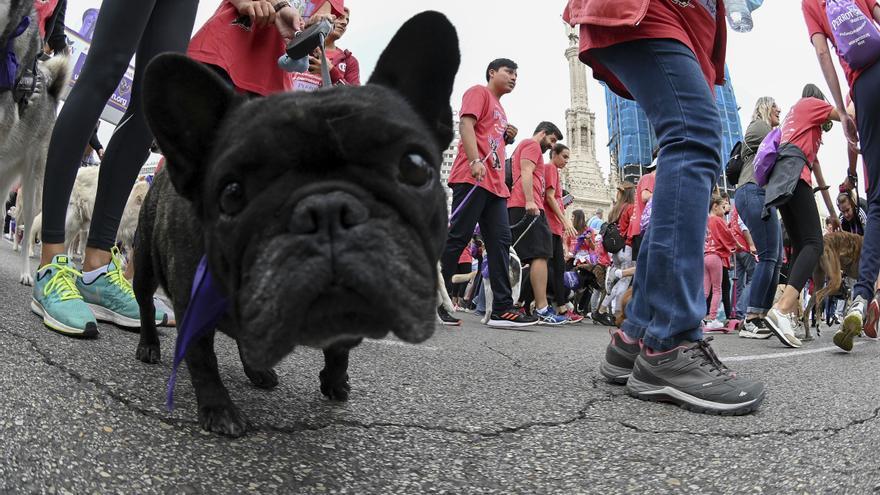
[582,177]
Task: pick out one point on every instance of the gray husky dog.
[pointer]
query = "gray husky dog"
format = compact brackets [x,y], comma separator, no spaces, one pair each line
[26,122]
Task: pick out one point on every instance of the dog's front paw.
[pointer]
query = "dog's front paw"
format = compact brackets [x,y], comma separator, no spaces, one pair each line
[26,279]
[224,419]
[148,353]
[335,388]
[262,379]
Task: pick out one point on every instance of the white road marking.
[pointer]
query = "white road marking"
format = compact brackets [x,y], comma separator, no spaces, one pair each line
[780,355]
[403,344]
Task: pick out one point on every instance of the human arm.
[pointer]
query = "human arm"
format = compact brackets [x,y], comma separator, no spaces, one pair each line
[353,71]
[469,144]
[826,196]
[823,54]
[526,170]
[260,12]
[556,208]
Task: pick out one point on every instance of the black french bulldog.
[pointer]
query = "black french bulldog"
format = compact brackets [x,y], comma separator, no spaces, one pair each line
[321,214]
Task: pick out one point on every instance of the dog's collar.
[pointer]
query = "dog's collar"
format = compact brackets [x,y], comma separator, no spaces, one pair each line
[207,304]
[8,61]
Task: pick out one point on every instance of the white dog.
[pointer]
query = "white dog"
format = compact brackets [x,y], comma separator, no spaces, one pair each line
[81,207]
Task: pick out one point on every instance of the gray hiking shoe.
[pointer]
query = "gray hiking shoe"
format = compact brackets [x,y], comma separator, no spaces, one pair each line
[693,377]
[619,359]
[755,329]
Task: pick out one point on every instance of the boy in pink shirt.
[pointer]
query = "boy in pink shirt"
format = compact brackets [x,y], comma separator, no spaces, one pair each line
[479,193]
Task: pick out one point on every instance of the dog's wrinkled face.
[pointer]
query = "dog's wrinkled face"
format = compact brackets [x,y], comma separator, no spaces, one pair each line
[323,212]
[325,218]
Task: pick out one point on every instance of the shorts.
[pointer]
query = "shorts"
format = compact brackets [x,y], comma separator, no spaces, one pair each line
[537,241]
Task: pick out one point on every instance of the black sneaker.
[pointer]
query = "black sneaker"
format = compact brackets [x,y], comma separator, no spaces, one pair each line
[693,377]
[446,318]
[511,319]
[619,359]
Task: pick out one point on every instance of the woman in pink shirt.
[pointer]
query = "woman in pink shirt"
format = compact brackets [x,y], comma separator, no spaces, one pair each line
[720,244]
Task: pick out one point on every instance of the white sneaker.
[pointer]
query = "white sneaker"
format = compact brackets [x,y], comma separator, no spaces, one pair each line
[714,325]
[783,325]
[755,329]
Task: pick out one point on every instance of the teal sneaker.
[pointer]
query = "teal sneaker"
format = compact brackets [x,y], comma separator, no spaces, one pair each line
[58,301]
[111,297]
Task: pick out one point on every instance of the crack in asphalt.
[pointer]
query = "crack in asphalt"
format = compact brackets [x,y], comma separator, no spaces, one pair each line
[829,431]
[47,359]
[581,415]
[302,427]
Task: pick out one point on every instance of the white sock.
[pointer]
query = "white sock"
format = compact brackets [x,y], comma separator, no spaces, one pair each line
[544,309]
[90,277]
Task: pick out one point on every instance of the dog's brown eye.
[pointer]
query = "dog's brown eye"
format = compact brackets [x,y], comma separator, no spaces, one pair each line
[232,199]
[415,170]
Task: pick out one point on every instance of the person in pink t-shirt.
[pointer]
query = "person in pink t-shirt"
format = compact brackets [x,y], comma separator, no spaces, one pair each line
[531,232]
[863,132]
[720,244]
[479,193]
[801,139]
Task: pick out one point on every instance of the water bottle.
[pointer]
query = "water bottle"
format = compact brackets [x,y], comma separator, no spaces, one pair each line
[739,17]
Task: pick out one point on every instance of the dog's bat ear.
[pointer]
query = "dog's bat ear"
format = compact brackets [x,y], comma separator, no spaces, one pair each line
[420,63]
[184,103]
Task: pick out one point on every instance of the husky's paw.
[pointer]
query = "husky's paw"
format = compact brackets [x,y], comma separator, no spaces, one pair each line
[26,279]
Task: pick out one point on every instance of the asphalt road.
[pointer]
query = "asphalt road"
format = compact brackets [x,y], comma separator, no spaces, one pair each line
[473,410]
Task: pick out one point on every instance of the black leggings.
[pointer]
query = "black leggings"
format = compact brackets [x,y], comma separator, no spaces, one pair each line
[149,27]
[556,272]
[801,218]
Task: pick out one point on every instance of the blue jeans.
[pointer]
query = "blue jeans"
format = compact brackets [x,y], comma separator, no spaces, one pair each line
[745,270]
[767,236]
[663,75]
[867,101]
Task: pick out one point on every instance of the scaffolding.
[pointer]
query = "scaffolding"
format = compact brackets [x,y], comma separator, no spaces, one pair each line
[631,139]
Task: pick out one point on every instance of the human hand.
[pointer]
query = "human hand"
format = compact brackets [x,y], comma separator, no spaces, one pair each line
[316,18]
[851,131]
[510,134]
[289,22]
[753,249]
[532,208]
[100,153]
[849,183]
[569,228]
[260,12]
[835,224]
[315,64]
[478,170]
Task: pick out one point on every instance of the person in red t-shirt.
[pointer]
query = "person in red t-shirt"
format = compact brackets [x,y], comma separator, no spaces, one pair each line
[531,232]
[719,246]
[801,138]
[243,40]
[345,67]
[479,193]
[559,225]
[864,311]
[667,55]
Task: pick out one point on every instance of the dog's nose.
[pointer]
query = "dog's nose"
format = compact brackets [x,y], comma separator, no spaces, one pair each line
[328,212]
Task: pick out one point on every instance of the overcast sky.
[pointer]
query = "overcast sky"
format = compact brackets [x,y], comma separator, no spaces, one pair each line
[775,59]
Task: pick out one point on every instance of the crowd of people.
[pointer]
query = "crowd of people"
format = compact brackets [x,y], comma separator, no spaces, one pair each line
[673,252]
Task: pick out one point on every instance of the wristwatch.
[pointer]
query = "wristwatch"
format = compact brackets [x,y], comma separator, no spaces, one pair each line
[280,5]
[472,162]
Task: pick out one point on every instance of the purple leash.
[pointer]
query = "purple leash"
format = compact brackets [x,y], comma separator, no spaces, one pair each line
[206,306]
[463,202]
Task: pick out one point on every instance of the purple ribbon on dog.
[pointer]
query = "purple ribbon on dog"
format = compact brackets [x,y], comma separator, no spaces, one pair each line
[206,306]
[8,61]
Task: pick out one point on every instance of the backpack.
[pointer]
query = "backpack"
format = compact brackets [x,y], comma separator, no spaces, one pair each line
[508,173]
[855,35]
[734,164]
[765,159]
[612,241]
